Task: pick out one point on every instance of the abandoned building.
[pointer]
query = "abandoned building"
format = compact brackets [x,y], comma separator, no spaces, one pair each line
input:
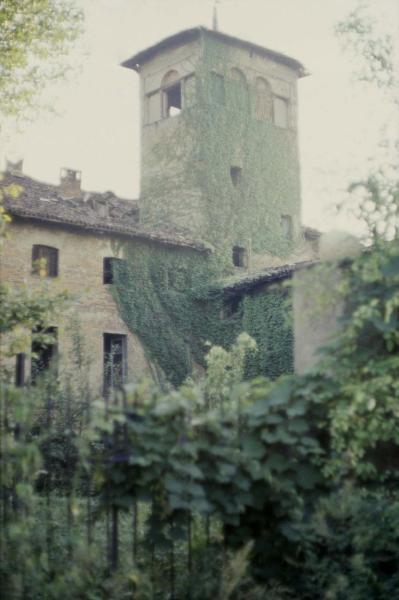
[198,257]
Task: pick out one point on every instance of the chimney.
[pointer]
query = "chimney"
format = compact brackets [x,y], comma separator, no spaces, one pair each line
[14,167]
[70,183]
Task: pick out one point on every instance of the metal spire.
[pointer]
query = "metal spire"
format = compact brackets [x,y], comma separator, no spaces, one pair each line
[215,26]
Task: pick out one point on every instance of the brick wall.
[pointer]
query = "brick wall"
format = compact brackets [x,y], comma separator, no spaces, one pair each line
[92,309]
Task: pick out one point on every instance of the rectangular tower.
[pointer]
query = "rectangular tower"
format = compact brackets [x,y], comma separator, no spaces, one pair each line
[219,142]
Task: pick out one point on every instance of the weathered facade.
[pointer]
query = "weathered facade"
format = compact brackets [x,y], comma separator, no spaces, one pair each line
[218,220]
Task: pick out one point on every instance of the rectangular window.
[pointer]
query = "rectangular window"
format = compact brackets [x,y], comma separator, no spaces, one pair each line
[110,265]
[44,350]
[231,306]
[286,226]
[280,108]
[20,369]
[239,256]
[235,175]
[115,361]
[173,100]
[45,261]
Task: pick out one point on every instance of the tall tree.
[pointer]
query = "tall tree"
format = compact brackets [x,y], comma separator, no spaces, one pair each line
[35,37]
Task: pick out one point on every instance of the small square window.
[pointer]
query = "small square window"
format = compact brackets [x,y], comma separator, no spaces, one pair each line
[110,265]
[235,175]
[239,256]
[173,100]
[45,261]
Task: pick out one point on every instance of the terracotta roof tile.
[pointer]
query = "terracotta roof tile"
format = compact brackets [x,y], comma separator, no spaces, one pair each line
[90,211]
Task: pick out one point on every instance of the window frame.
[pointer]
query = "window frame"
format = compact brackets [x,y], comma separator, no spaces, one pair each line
[109,380]
[50,254]
[240,257]
[49,350]
[108,269]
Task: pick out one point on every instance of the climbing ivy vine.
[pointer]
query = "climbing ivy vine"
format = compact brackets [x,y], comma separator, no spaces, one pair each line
[164,294]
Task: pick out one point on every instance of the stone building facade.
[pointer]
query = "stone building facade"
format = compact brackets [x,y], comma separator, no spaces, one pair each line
[218,221]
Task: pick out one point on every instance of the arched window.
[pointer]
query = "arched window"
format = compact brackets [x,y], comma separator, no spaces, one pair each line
[171,94]
[238,75]
[263,100]
[239,87]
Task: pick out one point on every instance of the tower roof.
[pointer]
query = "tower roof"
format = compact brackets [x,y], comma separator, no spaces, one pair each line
[189,35]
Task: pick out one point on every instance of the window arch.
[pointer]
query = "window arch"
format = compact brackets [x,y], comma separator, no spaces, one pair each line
[169,78]
[171,94]
[263,100]
[239,88]
[238,75]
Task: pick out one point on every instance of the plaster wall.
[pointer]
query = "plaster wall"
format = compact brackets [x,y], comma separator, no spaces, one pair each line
[91,307]
[317,307]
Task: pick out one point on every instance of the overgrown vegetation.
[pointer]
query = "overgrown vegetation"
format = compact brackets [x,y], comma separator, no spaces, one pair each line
[35,37]
[220,489]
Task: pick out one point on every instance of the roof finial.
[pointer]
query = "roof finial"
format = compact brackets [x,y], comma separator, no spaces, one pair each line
[215,17]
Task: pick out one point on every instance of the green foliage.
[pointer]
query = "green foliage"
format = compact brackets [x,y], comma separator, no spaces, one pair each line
[265,318]
[170,300]
[35,36]
[351,546]
[186,171]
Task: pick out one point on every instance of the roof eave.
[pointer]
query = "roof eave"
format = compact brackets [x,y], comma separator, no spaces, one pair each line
[181,37]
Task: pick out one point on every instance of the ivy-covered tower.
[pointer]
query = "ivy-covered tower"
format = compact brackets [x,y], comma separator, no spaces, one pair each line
[219,143]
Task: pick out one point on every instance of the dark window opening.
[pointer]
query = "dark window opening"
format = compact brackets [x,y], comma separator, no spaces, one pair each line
[286,226]
[173,100]
[45,261]
[235,174]
[231,306]
[110,265]
[43,352]
[114,361]
[20,369]
[239,256]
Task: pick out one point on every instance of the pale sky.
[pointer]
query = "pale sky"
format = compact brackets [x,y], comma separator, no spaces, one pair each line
[97,130]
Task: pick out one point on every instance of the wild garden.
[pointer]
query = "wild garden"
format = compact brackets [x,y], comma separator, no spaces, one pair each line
[223,488]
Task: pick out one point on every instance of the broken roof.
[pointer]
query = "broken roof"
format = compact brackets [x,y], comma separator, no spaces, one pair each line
[249,281]
[101,213]
[189,35]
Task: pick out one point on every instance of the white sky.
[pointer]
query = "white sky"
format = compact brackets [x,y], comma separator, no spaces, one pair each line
[97,130]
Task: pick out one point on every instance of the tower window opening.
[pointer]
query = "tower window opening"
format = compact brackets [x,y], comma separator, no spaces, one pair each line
[235,174]
[239,256]
[173,100]
[286,226]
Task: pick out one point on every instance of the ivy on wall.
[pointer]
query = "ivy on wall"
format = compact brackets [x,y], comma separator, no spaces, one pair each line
[163,294]
[187,161]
